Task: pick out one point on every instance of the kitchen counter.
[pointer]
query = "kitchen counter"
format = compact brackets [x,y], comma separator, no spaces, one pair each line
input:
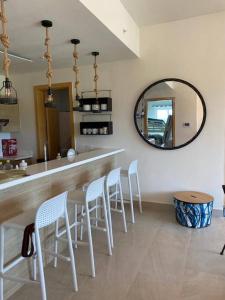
[54,166]
[42,182]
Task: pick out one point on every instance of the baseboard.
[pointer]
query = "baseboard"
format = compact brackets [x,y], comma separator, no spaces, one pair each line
[218,213]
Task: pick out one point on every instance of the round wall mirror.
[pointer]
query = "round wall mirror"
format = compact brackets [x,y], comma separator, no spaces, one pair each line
[170,114]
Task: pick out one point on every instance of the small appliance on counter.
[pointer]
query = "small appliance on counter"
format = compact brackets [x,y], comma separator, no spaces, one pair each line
[23,165]
[71,152]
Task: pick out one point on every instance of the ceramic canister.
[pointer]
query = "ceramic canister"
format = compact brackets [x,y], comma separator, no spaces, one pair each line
[89,131]
[95,131]
[84,130]
[95,107]
[86,107]
[103,106]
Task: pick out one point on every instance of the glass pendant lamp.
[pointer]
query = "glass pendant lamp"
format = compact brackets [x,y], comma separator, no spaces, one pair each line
[76,42]
[8,94]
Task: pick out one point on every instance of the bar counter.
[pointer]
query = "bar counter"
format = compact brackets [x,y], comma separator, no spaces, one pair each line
[45,180]
[54,166]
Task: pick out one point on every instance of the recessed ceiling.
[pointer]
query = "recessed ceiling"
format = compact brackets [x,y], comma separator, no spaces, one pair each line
[150,12]
[70,20]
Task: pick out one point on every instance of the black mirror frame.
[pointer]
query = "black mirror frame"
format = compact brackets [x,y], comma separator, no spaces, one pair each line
[203,105]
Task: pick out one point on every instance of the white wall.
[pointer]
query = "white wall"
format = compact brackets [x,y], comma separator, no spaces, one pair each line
[191,49]
[116,18]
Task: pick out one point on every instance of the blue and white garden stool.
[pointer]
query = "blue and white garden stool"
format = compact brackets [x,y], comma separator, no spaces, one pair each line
[193,209]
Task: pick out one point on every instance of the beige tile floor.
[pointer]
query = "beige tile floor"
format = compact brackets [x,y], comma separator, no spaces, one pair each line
[156,260]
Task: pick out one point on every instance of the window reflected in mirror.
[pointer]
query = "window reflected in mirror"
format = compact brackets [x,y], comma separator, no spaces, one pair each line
[170,114]
[159,122]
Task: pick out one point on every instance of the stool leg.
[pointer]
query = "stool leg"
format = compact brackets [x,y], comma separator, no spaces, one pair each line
[116,203]
[82,223]
[96,212]
[106,224]
[75,227]
[56,243]
[122,207]
[40,264]
[139,193]
[1,261]
[131,199]
[90,243]
[72,260]
[109,216]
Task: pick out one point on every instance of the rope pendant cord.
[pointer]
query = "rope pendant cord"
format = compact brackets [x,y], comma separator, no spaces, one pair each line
[76,71]
[5,40]
[96,77]
[48,57]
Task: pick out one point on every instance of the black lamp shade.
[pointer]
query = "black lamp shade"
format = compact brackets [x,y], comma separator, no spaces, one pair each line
[8,94]
[49,99]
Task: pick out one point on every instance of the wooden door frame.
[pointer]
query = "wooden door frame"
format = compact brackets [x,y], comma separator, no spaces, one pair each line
[55,86]
[173,115]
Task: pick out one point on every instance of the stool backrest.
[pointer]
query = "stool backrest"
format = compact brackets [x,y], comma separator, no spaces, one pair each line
[113,177]
[133,167]
[95,189]
[51,210]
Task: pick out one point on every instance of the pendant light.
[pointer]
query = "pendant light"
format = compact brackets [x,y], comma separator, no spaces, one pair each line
[100,102]
[76,42]
[47,55]
[96,106]
[8,94]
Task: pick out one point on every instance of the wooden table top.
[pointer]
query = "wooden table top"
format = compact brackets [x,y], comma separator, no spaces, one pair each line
[193,197]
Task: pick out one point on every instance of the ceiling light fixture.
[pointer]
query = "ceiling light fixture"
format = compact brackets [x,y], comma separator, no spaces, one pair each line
[8,94]
[47,55]
[96,100]
[76,42]
[95,54]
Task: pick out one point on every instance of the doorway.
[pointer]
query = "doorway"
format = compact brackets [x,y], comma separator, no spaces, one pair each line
[55,125]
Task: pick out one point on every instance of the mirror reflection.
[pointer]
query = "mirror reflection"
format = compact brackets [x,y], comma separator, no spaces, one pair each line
[170,114]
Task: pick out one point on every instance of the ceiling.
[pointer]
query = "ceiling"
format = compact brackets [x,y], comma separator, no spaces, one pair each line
[70,20]
[150,12]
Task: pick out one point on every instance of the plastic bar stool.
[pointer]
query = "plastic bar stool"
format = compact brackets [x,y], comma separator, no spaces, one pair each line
[132,172]
[17,223]
[91,200]
[48,213]
[113,190]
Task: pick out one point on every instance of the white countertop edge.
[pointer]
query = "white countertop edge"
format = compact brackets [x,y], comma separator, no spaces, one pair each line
[56,170]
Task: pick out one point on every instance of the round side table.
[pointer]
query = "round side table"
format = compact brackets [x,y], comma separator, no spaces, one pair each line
[193,209]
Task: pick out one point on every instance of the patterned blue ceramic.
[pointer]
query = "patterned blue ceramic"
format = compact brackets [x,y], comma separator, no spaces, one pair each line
[193,215]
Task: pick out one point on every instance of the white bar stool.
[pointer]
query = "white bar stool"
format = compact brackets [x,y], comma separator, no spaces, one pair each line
[17,223]
[48,213]
[91,201]
[132,172]
[113,190]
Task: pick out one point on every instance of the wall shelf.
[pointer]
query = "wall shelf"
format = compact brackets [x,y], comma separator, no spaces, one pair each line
[92,126]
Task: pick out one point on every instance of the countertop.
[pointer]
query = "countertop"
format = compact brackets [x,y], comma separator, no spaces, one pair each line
[54,166]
